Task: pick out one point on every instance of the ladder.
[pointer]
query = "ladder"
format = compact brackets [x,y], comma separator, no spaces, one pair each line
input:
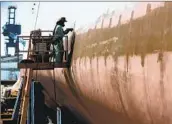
[12,108]
[26,92]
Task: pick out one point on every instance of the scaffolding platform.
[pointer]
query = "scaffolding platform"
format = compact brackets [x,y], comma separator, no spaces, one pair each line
[43,66]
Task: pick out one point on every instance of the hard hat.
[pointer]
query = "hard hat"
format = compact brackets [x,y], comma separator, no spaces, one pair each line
[62,19]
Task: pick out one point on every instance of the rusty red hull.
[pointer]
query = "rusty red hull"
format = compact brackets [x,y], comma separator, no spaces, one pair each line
[105,92]
[127,81]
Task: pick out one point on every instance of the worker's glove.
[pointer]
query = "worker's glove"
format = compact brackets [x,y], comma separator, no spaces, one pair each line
[69,29]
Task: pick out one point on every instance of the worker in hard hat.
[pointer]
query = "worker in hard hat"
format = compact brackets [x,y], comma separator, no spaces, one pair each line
[58,38]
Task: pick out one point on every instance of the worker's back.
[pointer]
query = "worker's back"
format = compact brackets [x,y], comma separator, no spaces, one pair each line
[58,33]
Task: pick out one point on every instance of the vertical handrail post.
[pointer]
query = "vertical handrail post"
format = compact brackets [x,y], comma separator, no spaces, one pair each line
[58,115]
[66,47]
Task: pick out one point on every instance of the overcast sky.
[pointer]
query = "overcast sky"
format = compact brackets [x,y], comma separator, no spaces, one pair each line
[84,13]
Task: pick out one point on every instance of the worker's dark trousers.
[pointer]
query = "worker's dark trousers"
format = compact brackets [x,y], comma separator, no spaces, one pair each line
[59,50]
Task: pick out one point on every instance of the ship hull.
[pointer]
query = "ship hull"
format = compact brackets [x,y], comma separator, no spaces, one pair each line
[110,84]
[106,92]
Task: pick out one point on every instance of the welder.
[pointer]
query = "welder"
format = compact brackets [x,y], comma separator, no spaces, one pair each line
[58,35]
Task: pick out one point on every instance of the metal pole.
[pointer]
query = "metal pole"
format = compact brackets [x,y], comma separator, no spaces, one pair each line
[18,100]
[67,48]
[58,115]
[17,49]
[37,16]
[32,103]
[14,18]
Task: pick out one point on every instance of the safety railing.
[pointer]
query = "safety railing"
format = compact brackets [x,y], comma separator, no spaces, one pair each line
[41,49]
